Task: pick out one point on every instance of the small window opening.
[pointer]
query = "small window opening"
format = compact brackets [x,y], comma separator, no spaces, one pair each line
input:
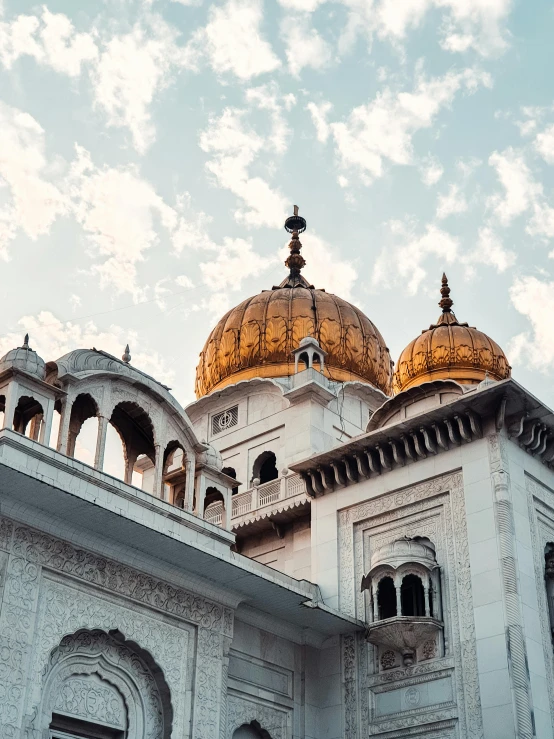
[412,596]
[232,473]
[386,598]
[64,727]
[268,468]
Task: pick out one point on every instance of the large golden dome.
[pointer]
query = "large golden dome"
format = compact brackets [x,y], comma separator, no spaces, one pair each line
[450,350]
[256,338]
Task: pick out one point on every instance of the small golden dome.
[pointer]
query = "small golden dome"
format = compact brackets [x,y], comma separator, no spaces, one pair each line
[450,350]
[256,338]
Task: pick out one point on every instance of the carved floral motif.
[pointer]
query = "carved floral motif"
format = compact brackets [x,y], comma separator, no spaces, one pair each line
[243,711]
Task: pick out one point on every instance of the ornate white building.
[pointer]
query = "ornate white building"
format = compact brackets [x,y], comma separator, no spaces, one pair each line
[319,547]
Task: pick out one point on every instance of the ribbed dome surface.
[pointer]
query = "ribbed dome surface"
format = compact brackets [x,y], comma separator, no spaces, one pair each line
[450,350]
[256,339]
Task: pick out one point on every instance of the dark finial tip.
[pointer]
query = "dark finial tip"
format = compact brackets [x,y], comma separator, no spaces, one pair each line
[126,355]
[446,302]
[26,341]
[295,223]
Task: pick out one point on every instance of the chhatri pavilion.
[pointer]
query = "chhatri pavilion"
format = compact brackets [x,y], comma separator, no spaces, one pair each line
[323,545]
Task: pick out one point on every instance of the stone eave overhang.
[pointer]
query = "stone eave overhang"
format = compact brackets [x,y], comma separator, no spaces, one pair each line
[46,387]
[506,404]
[51,492]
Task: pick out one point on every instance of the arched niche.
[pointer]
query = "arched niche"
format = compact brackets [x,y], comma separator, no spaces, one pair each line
[231,472]
[97,680]
[136,430]
[253,730]
[264,468]
[83,408]
[28,416]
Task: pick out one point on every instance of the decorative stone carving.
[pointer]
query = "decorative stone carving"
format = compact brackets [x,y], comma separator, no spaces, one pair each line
[444,497]
[429,649]
[68,610]
[388,659]
[94,677]
[242,710]
[39,548]
[403,634]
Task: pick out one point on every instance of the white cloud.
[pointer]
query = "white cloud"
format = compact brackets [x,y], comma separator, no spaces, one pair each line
[544,144]
[305,46]
[466,24]
[534,298]
[453,202]
[490,250]
[118,212]
[431,171]
[383,129]
[402,262]
[520,189]
[132,69]
[235,261]
[29,200]
[50,39]
[319,113]
[233,40]
[52,339]
[235,146]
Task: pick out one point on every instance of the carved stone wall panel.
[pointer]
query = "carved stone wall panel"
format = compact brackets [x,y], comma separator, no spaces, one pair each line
[42,549]
[541,517]
[17,618]
[6,531]
[67,609]
[243,710]
[438,506]
[350,686]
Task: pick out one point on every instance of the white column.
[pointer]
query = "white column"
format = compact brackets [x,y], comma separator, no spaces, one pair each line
[157,490]
[189,485]
[398,599]
[46,428]
[427,604]
[101,443]
[11,404]
[200,495]
[63,432]
[375,592]
[227,506]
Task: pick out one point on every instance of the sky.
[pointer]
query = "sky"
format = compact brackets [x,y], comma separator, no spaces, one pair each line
[150,151]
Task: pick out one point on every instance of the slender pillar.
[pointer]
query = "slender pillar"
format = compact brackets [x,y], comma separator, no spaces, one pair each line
[398,601]
[12,397]
[427,602]
[63,432]
[46,428]
[226,518]
[375,593]
[101,443]
[157,489]
[200,495]
[189,485]
[35,425]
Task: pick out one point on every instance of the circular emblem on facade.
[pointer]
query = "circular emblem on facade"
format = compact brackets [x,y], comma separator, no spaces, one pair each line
[225,420]
[412,697]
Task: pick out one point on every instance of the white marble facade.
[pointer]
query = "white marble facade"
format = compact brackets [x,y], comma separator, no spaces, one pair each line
[140,615]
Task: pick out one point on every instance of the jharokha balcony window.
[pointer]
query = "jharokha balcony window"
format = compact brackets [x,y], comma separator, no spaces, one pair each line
[404,603]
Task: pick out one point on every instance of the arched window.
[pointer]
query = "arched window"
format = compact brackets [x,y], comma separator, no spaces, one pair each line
[174,474]
[232,473]
[386,598]
[137,433]
[412,596]
[213,495]
[265,468]
[305,360]
[84,408]
[98,686]
[28,417]
[252,730]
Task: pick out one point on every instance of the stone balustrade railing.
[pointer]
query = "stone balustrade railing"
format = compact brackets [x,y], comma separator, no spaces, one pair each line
[258,497]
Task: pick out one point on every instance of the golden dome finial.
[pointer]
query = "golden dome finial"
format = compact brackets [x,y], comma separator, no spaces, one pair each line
[295,225]
[446,302]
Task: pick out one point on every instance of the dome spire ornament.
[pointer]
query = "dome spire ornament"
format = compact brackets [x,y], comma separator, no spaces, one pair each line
[295,225]
[450,350]
[446,302]
[126,355]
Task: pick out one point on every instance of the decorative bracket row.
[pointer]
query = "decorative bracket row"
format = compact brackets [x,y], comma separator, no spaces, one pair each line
[375,459]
